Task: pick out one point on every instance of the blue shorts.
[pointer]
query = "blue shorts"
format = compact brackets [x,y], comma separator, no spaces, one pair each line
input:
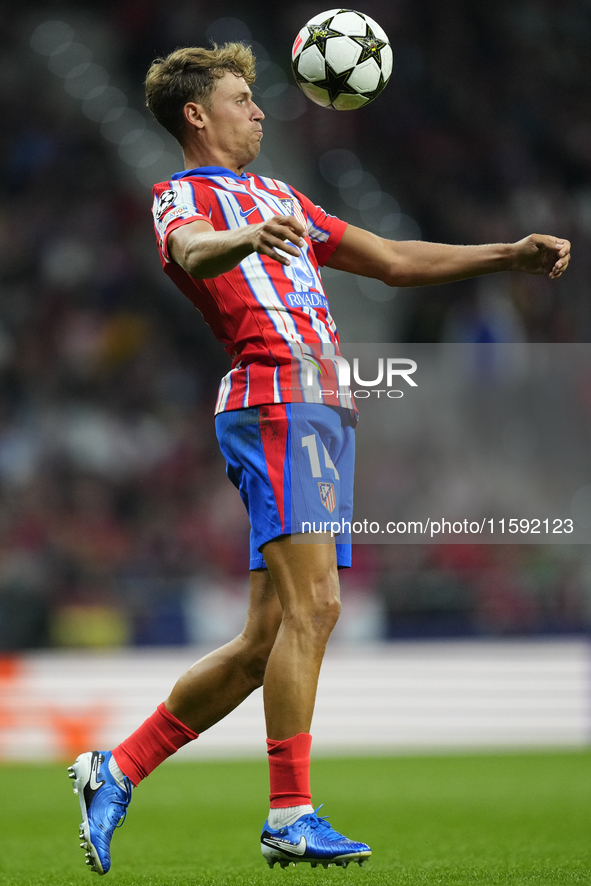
[293,465]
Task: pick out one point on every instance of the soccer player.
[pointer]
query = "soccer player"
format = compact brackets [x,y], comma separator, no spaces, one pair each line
[246,250]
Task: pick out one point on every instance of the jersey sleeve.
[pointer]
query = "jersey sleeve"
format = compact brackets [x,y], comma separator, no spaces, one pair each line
[176,203]
[325,231]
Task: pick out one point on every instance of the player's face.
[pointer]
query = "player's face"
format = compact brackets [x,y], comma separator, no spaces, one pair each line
[234,120]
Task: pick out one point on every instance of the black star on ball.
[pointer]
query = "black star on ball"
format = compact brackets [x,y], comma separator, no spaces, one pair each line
[336,84]
[371,47]
[319,34]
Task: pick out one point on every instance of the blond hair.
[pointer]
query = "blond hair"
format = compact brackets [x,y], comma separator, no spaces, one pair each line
[189,75]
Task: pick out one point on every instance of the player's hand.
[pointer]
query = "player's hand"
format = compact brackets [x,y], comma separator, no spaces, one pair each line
[282,232]
[541,254]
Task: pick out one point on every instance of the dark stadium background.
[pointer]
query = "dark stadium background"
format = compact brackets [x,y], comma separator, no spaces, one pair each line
[117,524]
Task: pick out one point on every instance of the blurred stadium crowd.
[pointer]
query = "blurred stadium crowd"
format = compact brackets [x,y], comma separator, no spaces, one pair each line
[117,524]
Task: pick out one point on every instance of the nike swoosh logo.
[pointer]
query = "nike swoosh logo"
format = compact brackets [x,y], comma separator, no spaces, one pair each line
[246,212]
[93,783]
[286,846]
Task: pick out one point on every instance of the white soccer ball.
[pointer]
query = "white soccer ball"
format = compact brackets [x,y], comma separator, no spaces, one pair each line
[341,59]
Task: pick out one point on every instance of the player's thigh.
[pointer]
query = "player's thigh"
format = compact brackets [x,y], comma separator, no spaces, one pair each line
[264,610]
[305,575]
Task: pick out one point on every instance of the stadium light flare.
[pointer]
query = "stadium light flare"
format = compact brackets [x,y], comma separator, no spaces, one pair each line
[138,146]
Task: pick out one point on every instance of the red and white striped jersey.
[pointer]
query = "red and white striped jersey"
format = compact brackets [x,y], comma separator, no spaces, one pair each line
[268,316]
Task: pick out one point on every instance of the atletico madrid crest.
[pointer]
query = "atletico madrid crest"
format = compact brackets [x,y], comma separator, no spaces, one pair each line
[293,207]
[327,496]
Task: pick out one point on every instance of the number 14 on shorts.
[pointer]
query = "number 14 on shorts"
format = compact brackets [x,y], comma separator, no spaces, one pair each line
[310,443]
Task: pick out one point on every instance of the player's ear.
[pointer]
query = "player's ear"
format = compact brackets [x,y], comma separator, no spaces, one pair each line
[194,115]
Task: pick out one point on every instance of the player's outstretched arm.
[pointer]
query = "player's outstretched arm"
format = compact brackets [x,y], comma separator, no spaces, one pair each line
[418,263]
[204,252]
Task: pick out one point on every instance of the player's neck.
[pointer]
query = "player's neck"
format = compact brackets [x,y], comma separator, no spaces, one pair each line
[194,159]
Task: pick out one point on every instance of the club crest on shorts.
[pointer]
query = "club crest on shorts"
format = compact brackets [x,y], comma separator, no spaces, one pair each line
[327,496]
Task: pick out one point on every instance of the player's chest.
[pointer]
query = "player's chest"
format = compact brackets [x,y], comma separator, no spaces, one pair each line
[239,208]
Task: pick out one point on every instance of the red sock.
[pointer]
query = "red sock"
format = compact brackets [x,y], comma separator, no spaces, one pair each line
[156,739]
[289,768]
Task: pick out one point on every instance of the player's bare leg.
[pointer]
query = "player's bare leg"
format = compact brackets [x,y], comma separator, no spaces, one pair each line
[220,681]
[306,580]
[307,584]
[209,690]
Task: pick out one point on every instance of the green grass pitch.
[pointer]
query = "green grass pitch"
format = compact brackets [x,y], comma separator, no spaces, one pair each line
[519,818]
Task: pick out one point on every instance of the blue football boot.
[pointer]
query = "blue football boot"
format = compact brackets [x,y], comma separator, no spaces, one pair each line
[103,803]
[312,839]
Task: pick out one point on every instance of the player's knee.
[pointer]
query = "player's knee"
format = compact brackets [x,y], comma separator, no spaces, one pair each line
[318,611]
[318,621]
[256,668]
[326,615]
[255,661]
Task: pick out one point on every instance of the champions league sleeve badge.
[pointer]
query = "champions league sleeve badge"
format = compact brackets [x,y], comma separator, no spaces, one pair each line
[165,202]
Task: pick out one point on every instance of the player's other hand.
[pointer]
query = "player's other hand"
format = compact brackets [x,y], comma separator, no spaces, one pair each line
[282,232]
[541,254]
